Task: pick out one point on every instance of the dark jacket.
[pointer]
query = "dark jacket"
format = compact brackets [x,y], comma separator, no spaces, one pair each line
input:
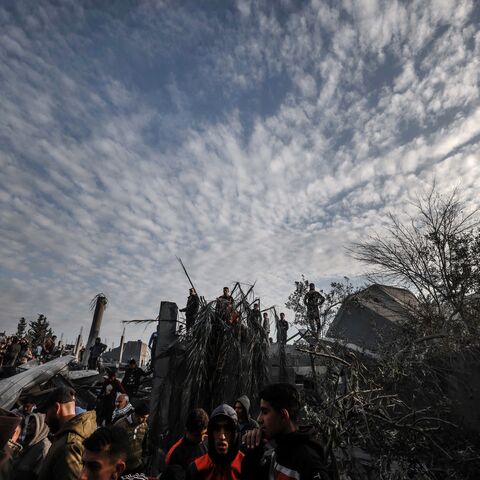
[182,454]
[138,436]
[64,459]
[250,424]
[132,376]
[296,456]
[213,466]
[29,463]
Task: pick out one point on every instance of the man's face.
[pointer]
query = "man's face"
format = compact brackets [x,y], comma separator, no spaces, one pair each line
[99,466]
[197,437]
[52,419]
[226,291]
[141,419]
[271,422]
[121,401]
[240,409]
[27,408]
[282,316]
[222,436]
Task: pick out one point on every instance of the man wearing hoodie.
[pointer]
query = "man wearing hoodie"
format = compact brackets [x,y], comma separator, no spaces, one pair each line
[64,459]
[245,421]
[35,443]
[293,454]
[223,460]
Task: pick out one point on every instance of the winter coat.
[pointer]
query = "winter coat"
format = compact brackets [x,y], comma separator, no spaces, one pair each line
[138,442]
[296,456]
[213,466]
[64,459]
[182,454]
[29,463]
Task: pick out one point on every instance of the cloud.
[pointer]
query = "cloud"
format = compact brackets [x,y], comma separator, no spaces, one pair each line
[254,142]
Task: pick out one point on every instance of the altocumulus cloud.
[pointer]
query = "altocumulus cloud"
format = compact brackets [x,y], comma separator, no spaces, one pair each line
[253,139]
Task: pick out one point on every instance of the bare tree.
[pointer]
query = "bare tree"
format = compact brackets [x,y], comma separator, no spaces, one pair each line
[436,253]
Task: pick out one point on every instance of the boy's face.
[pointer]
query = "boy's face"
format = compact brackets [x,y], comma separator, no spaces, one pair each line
[99,466]
[271,422]
[222,436]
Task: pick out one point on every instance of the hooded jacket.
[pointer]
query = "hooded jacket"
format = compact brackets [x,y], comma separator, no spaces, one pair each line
[64,459]
[250,424]
[29,463]
[296,456]
[212,465]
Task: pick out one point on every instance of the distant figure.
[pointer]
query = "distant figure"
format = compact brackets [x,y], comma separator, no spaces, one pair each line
[191,310]
[266,324]
[282,329]
[136,428]
[313,300]
[152,345]
[224,307]
[49,345]
[95,351]
[110,389]
[190,447]
[12,353]
[131,379]
[256,315]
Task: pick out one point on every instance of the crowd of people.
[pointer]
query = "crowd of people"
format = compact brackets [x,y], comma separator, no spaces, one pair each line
[59,440]
[17,350]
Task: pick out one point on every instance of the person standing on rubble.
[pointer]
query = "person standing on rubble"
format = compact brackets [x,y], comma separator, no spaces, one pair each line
[224,308]
[110,389]
[313,300]
[282,329]
[266,324]
[95,351]
[191,310]
[131,379]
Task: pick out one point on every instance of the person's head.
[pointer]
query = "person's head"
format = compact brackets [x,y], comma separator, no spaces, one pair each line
[242,408]
[112,374]
[27,406]
[196,425]
[222,434]
[279,409]
[265,315]
[105,453]
[226,291]
[312,286]
[256,306]
[97,340]
[58,407]
[141,413]
[54,337]
[282,316]
[132,363]
[192,291]
[121,401]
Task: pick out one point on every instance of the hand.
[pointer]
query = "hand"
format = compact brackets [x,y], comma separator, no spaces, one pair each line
[253,438]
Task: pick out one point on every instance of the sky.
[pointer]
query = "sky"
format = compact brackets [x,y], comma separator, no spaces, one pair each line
[255,140]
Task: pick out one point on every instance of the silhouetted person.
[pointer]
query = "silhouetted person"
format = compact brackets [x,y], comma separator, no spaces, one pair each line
[191,310]
[313,300]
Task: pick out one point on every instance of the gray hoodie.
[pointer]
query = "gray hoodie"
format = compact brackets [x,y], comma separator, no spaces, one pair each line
[35,447]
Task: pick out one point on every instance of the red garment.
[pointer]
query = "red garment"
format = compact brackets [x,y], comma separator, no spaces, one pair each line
[174,446]
[207,470]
